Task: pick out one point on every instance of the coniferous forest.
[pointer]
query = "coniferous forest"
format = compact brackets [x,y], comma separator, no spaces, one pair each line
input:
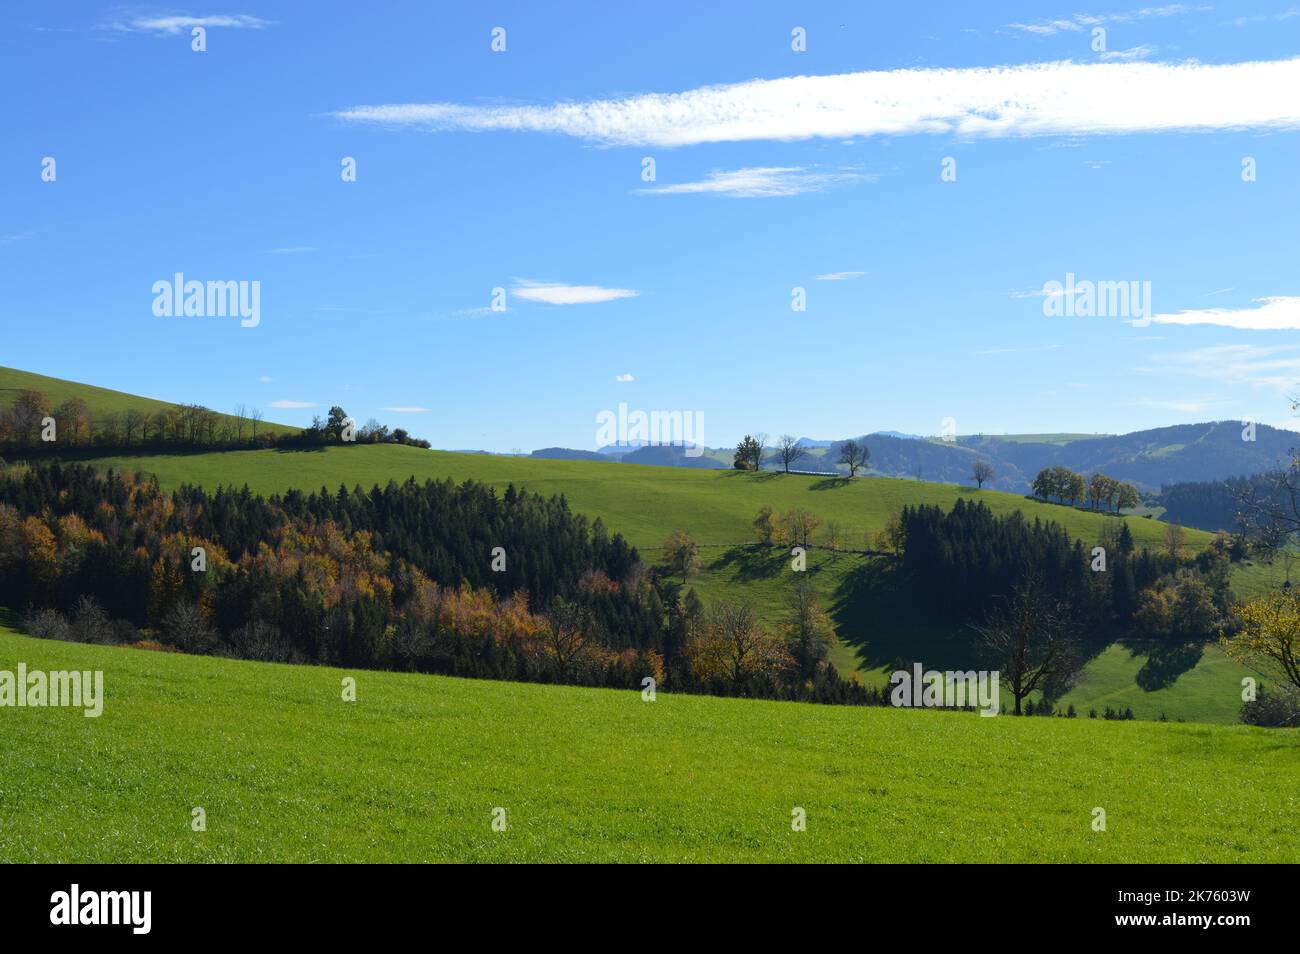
[430,577]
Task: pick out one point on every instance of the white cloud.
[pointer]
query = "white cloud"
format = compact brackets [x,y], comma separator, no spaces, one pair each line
[1264,18]
[1279,313]
[1276,367]
[555,293]
[988,351]
[407,410]
[475,312]
[293,405]
[1192,406]
[266,379]
[1059,98]
[1086,21]
[1132,53]
[839,276]
[1042,292]
[171,25]
[292,250]
[759,182]
[624,378]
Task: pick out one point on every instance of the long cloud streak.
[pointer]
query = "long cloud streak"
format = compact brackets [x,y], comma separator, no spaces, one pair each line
[1060,98]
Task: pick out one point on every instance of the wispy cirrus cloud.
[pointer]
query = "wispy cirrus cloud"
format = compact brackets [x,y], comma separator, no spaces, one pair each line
[292,250]
[760,182]
[407,409]
[1279,313]
[171,24]
[1058,99]
[1079,22]
[1132,53]
[557,293]
[839,276]
[293,405]
[990,351]
[1281,15]
[1183,406]
[1039,293]
[1276,367]
[475,312]
[623,378]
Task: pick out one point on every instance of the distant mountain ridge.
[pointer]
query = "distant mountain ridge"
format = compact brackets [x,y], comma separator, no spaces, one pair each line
[568,453]
[1149,459]
[899,434]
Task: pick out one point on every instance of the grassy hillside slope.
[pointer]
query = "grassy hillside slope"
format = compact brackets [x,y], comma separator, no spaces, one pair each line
[1209,692]
[100,401]
[412,770]
[877,624]
[644,503]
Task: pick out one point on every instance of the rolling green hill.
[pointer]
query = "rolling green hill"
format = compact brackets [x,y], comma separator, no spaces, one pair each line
[412,770]
[1059,439]
[877,623]
[100,401]
[644,503]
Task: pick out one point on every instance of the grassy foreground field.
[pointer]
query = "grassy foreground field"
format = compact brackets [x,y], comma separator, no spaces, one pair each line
[412,771]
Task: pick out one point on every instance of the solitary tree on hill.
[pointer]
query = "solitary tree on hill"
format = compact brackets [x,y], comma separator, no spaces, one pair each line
[788,451]
[681,553]
[854,455]
[1030,639]
[749,454]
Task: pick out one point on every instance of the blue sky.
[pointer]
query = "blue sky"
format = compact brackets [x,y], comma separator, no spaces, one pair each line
[522,170]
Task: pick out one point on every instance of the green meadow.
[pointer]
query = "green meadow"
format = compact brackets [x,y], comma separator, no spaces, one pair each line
[878,624]
[642,502]
[100,401]
[285,770]
[415,767]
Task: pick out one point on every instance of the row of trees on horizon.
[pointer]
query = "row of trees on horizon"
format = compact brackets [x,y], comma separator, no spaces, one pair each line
[1098,490]
[24,427]
[751,453]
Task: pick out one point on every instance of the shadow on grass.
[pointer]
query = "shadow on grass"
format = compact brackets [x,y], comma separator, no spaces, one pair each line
[886,623]
[830,483]
[751,562]
[753,475]
[1166,663]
